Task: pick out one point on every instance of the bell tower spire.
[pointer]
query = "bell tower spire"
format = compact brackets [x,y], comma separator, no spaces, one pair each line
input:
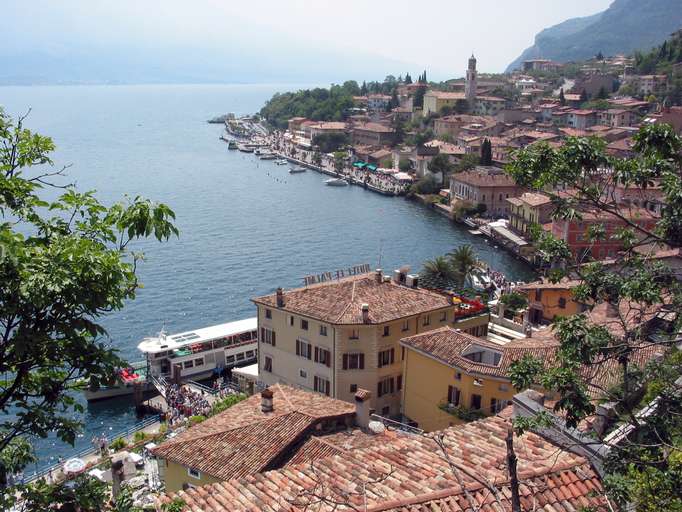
[471,78]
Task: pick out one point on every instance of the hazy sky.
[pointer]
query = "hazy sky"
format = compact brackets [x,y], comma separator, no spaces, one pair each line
[437,35]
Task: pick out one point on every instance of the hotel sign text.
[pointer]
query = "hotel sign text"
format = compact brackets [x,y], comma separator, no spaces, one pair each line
[338,274]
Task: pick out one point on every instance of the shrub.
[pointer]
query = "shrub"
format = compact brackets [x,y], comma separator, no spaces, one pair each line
[140,436]
[227,402]
[195,420]
[118,444]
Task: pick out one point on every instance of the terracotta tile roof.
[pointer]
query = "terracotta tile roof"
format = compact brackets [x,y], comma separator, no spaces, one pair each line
[319,447]
[535,198]
[477,178]
[340,301]
[410,471]
[445,95]
[243,439]
[447,345]
[373,127]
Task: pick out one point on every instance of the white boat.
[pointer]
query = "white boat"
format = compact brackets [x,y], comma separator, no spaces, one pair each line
[191,355]
[336,182]
[267,156]
[478,280]
[281,161]
[296,170]
[244,149]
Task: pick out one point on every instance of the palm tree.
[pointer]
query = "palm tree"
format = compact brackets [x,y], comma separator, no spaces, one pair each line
[463,261]
[438,270]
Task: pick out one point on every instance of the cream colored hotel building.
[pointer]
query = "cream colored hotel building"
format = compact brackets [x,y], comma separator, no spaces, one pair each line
[340,336]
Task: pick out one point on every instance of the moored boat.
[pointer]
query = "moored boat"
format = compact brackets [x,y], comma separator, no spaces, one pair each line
[268,156]
[191,355]
[245,149]
[296,170]
[232,144]
[336,182]
[281,161]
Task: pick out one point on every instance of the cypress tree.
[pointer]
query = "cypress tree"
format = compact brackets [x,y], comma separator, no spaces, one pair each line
[408,79]
[562,98]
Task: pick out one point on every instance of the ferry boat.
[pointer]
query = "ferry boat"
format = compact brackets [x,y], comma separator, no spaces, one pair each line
[336,182]
[296,170]
[191,355]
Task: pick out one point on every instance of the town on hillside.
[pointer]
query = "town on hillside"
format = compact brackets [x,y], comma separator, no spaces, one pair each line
[449,387]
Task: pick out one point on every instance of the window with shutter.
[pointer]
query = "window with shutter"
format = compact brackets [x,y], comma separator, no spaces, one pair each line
[392,355]
[345,361]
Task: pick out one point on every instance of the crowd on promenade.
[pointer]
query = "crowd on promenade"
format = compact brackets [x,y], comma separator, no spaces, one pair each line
[184,402]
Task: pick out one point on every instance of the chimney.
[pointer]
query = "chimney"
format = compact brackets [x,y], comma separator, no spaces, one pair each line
[280,297]
[379,275]
[365,313]
[397,276]
[362,410]
[266,400]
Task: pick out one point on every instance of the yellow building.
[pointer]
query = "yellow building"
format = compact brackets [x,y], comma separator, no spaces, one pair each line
[338,336]
[452,377]
[434,101]
[527,210]
[548,300]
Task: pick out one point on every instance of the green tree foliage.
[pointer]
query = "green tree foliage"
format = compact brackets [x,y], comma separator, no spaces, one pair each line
[408,79]
[330,142]
[514,301]
[404,164]
[562,97]
[486,152]
[463,261]
[644,469]
[467,162]
[317,104]
[438,269]
[84,494]
[426,185]
[227,402]
[64,264]
[440,164]
[418,99]
[583,96]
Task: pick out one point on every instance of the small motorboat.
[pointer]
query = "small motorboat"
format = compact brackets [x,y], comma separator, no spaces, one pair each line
[281,161]
[232,144]
[267,156]
[296,170]
[336,182]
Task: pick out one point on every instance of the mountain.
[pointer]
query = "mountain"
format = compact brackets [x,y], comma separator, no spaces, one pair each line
[626,26]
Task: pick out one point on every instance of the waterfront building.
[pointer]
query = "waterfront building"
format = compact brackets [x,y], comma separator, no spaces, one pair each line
[617,117]
[470,125]
[399,472]
[488,186]
[341,335]
[527,210]
[279,426]
[372,134]
[324,127]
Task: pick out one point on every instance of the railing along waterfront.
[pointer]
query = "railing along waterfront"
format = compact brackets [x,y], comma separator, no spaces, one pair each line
[39,473]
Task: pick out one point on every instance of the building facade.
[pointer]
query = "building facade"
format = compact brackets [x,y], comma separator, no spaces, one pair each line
[342,335]
[489,186]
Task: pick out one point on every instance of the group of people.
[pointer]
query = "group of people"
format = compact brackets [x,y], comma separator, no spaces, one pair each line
[183,402]
[101,444]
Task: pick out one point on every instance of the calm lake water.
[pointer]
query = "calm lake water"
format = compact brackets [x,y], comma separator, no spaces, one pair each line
[247,226]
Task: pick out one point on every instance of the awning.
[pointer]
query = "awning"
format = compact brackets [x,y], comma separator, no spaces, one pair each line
[359,164]
[512,237]
[371,167]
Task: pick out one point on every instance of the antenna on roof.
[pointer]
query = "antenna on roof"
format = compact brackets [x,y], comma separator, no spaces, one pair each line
[381,243]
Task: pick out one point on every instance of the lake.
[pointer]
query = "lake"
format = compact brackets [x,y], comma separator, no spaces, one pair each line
[246,226]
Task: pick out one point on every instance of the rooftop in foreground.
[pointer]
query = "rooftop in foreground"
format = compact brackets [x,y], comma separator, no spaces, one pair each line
[409,473]
[340,301]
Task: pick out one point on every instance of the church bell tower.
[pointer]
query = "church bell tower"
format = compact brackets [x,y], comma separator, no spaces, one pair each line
[470,84]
